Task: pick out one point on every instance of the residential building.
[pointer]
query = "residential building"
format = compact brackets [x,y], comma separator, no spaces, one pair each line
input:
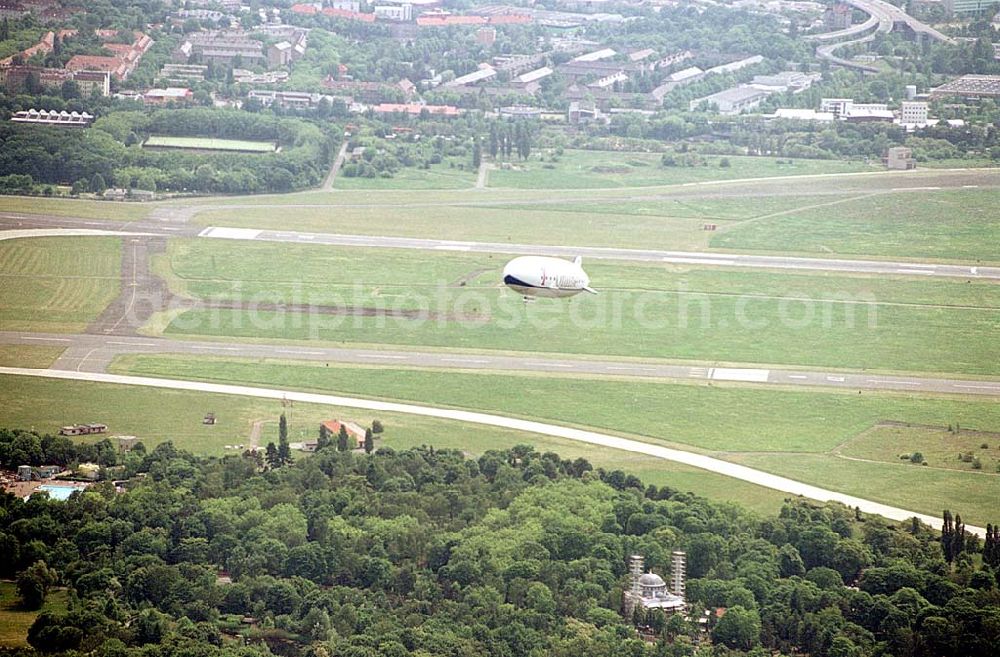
[733,100]
[399,13]
[732,67]
[482,74]
[183,72]
[223,48]
[899,157]
[969,6]
[913,112]
[803,115]
[839,16]
[354,431]
[416,109]
[970,86]
[168,95]
[793,81]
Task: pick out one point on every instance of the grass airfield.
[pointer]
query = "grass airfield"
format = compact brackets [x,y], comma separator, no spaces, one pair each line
[829,438]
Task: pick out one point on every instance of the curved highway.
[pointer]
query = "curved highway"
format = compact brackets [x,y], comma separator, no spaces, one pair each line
[700,461]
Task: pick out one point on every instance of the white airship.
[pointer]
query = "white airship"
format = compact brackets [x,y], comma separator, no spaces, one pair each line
[541,276]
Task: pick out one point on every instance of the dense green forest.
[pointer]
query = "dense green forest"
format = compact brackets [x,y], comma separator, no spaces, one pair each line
[429,553]
[111,153]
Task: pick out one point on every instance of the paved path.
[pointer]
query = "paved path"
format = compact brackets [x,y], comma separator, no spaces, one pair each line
[335,168]
[700,461]
[482,174]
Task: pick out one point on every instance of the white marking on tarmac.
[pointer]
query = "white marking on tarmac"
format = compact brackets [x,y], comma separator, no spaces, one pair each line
[529,364]
[227,233]
[464,360]
[962,385]
[299,352]
[383,356]
[836,379]
[797,376]
[930,272]
[452,247]
[134,344]
[697,261]
[28,337]
[215,348]
[740,374]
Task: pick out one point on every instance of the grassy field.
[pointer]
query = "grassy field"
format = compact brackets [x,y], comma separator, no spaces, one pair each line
[930,490]
[647,311]
[156,415]
[28,355]
[105,210]
[945,224]
[960,224]
[730,421]
[578,169]
[14,621]
[940,447]
[210,144]
[439,176]
[57,284]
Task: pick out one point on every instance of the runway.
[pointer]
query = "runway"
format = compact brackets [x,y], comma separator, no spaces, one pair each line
[700,461]
[23,222]
[93,353]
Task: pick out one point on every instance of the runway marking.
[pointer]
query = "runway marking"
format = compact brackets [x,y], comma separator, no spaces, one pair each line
[464,360]
[134,344]
[530,364]
[450,247]
[836,379]
[230,233]
[697,261]
[962,385]
[797,376]
[299,352]
[740,374]
[620,369]
[895,383]
[29,337]
[382,356]
[930,272]
[207,348]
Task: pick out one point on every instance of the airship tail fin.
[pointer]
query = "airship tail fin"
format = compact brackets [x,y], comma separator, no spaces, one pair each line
[578,261]
[590,289]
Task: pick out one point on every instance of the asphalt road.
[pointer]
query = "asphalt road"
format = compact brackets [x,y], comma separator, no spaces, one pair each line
[22,222]
[701,461]
[93,353]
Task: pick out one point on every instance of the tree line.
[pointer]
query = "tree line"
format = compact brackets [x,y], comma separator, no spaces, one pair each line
[429,553]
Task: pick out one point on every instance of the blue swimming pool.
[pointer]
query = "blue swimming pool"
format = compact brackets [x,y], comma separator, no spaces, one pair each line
[57,492]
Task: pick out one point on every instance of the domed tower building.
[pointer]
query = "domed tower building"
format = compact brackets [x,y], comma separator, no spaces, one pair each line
[650,590]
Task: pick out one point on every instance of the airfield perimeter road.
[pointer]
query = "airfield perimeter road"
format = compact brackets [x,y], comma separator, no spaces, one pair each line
[93,353]
[568,433]
[23,222]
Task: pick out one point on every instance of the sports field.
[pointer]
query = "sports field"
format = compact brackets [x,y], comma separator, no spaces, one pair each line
[57,284]
[734,422]
[210,144]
